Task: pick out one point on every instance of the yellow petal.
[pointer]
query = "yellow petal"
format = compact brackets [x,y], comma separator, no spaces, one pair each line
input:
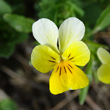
[103,55]
[103,73]
[72,29]
[78,53]
[66,76]
[43,58]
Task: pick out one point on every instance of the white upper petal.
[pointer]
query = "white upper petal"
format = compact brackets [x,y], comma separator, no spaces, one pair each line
[46,33]
[72,29]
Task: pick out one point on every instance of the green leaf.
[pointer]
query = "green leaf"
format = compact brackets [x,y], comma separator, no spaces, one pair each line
[19,23]
[93,46]
[103,21]
[4,7]
[8,43]
[84,91]
[77,9]
[6,51]
[7,104]
[9,38]
[83,94]
[92,13]
[18,38]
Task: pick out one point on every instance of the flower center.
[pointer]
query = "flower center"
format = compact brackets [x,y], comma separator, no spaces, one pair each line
[62,59]
[64,67]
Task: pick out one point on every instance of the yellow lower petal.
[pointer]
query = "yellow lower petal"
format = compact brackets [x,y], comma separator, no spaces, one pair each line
[78,53]
[43,58]
[67,76]
[103,73]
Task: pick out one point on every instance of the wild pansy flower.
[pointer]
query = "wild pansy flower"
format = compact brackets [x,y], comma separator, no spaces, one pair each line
[103,71]
[61,51]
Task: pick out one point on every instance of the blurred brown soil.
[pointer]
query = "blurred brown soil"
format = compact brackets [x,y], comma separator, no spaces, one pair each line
[29,88]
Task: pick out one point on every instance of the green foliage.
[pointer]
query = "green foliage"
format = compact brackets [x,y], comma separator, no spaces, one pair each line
[59,10]
[83,94]
[8,104]
[4,7]
[8,41]
[14,28]
[19,23]
[93,46]
[92,12]
[6,51]
[84,91]
[103,21]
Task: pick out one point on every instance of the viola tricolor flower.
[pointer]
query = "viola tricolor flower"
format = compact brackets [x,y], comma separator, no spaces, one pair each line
[103,71]
[61,51]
